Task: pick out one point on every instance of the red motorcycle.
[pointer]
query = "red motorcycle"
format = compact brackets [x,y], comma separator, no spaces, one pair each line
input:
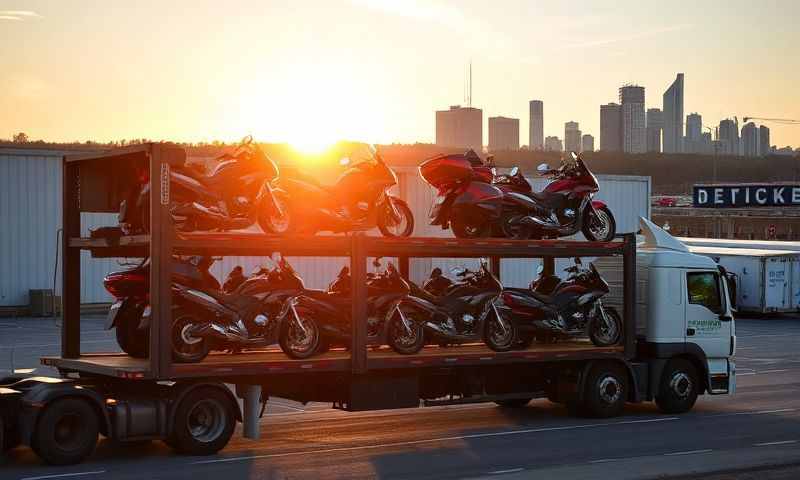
[565,207]
[467,202]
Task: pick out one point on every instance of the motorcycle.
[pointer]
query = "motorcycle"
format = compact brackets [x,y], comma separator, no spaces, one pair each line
[239,192]
[310,323]
[358,201]
[465,312]
[466,201]
[563,208]
[551,309]
[130,312]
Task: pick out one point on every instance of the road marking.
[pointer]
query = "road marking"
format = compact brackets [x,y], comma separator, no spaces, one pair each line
[760,412]
[283,405]
[434,440]
[746,373]
[689,452]
[774,371]
[767,444]
[606,460]
[63,475]
[510,470]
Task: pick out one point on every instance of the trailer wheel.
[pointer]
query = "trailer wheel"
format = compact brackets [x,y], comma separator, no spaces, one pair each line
[66,432]
[513,403]
[204,422]
[605,391]
[679,387]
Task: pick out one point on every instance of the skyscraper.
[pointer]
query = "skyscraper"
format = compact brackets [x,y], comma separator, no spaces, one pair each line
[764,147]
[553,144]
[460,127]
[673,116]
[634,139]
[503,133]
[611,127]
[750,140]
[728,137]
[694,133]
[587,143]
[655,123]
[572,137]
[536,126]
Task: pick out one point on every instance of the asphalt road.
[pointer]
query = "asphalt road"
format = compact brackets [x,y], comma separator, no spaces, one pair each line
[757,427]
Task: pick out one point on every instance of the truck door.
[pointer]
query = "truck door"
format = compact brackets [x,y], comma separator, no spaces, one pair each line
[708,318]
[776,291]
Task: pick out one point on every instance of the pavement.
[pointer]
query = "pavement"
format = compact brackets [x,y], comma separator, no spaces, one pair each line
[752,434]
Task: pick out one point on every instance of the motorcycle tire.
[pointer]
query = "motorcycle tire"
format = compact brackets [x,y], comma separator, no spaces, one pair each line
[185,350]
[477,228]
[131,339]
[497,343]
[604,216]
[600,338]
[314,344]
[270,224]
[395,338]
[405,211]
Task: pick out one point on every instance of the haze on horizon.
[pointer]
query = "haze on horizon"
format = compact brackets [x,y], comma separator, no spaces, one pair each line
[314,71]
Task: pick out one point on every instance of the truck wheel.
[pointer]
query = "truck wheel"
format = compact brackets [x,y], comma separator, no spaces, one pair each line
[679,387]
[204,422]
[513,403]
[66,432]
[605,391]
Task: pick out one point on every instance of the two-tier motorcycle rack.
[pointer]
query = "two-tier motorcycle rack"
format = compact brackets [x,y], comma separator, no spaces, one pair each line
[97,183]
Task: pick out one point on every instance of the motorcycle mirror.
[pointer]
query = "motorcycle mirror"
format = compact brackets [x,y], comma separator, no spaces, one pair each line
[344,161]
[344,272]
[514,171]
[494,172]
[490,161]
[540,269]
[458,271]
[377,262]
[543,168]
[578,261]
[436,272]
[573,156]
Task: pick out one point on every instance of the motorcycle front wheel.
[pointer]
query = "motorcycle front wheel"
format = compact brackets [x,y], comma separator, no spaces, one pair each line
[403,341]
[497,337]
[391,227]
[300,342]
[274,222]
[599,225]
[605,334]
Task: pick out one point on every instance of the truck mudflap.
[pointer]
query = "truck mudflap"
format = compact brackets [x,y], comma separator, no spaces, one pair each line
[721,376]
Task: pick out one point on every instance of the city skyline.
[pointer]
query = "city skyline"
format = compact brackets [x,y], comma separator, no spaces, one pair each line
[303,73]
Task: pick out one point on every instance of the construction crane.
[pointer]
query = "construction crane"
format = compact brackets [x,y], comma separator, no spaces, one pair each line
[783,121]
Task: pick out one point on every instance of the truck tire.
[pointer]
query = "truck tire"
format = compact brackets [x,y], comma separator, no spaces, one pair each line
[204,422]
[513,403]
[66,432]
[605,391]
[679,386]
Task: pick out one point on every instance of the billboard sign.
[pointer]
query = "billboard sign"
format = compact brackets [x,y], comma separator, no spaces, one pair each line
[745,196]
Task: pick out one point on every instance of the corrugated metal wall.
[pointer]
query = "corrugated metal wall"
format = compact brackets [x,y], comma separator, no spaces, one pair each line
[30,218]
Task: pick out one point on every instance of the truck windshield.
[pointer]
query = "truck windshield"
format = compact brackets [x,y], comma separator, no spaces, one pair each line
[703,289]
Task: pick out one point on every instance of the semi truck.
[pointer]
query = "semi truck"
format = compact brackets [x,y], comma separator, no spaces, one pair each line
[679,337]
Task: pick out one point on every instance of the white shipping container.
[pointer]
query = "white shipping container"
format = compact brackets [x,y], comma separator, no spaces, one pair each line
[30,221]
[766,280]
[736,243]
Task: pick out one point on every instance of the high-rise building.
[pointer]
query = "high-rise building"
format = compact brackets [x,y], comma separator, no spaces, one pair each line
[764,148]
[728,137]
[503,133]
[572,137]
[673,116]
[611,127]
[750,140]
[460,127]
[553,144]
[536,126]
[587,143]
[655,124]
[694,133]
[706,144]
[634,138]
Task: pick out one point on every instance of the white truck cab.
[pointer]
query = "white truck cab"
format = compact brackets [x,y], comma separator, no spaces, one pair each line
[685,321]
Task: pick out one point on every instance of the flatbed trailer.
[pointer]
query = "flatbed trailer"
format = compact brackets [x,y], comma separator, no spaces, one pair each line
[156,398]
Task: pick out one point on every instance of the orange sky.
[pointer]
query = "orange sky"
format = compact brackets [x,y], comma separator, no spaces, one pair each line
[309,72]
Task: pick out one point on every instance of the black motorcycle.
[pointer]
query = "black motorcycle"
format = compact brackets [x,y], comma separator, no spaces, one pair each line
[551,308]
[358,201]
[310,323]
[464,313]
[239,192]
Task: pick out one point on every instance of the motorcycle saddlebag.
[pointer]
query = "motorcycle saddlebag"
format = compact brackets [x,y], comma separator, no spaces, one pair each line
[445,169]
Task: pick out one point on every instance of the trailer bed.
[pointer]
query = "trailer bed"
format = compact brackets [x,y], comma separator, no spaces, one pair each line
[274,361]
